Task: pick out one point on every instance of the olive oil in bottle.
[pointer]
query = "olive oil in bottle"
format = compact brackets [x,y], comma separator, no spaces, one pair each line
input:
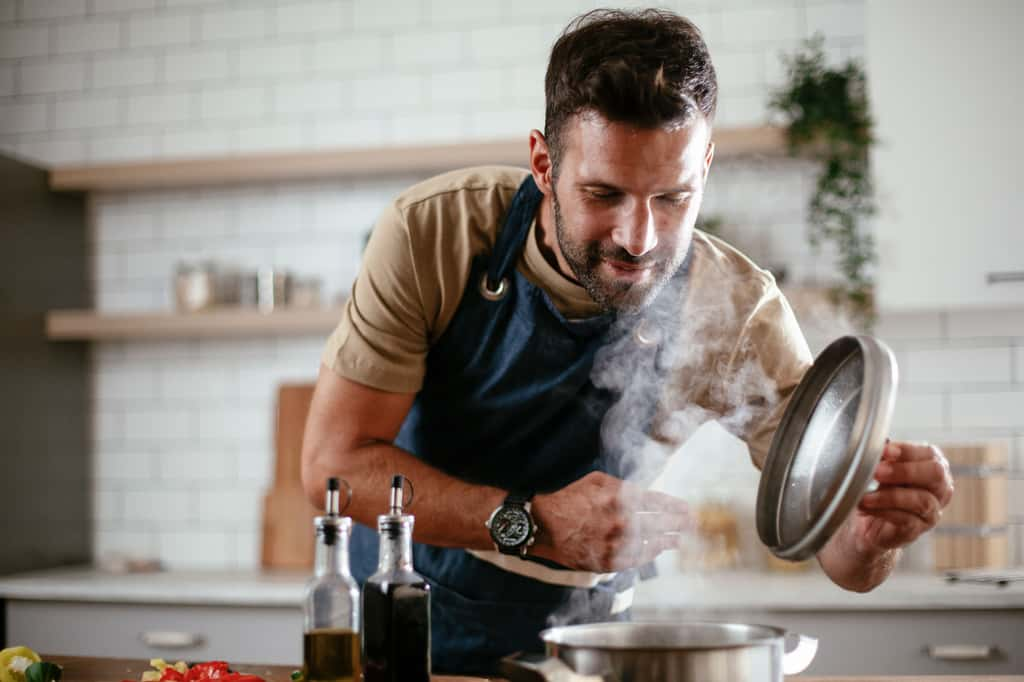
[331,655]
[331,647]
[396,604]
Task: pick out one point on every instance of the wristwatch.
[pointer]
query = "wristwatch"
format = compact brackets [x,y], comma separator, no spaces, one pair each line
[512,526]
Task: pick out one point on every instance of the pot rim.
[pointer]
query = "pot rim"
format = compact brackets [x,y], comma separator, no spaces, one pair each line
[562,635]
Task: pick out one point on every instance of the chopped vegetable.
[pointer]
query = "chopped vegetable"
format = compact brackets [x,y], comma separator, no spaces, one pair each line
[200,672]
[43,671]
[21,664]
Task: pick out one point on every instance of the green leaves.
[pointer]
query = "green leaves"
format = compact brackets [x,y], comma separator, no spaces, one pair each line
[43,672]
[828,118]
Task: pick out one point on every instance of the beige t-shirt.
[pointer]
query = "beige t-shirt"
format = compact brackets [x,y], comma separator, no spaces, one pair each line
[740,355]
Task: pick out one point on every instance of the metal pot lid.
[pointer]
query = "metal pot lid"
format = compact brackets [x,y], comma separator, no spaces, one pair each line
[824,454]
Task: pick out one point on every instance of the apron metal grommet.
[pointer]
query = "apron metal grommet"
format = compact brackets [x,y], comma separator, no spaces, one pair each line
[493,294]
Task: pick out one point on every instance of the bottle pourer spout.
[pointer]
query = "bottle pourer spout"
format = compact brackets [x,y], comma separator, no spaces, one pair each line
[331,506]
[397,484]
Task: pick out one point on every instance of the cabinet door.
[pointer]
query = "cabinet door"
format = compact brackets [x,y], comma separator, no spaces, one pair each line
[948,97]
[190,633]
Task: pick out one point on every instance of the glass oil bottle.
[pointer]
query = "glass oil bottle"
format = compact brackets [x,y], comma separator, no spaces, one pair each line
[330,642]
[396,604]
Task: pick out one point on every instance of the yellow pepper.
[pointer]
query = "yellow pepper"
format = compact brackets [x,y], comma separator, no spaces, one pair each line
[8,656]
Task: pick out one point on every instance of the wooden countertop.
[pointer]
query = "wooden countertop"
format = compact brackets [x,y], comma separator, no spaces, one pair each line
[78,669]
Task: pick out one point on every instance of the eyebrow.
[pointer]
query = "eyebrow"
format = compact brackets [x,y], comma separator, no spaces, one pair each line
[690,187]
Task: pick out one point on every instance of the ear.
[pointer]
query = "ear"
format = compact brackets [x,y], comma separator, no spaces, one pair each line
[708,157]
[540,162]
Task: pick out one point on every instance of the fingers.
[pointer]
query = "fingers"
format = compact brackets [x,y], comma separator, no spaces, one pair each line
[917,466]
[906,501]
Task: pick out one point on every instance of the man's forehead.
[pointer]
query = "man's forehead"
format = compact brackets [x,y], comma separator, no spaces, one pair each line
[600,150]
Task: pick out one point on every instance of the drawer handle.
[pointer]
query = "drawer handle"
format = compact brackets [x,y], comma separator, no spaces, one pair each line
[963,652]
[1005,277]
[169,639]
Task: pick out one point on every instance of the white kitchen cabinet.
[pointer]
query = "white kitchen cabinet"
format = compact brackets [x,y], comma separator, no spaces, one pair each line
[242,634]
[903,642]
[946,90]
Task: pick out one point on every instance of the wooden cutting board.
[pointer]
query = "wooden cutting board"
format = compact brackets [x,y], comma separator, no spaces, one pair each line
[287,537]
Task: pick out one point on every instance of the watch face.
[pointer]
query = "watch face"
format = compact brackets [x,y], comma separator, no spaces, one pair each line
[510,526]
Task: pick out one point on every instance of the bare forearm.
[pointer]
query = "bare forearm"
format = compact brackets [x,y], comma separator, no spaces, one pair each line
[449,512]
[852,567]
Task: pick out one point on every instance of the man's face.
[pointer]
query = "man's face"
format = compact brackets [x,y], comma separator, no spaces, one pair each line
[625,201]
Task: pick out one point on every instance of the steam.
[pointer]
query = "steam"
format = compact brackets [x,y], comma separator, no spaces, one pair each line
[675,368]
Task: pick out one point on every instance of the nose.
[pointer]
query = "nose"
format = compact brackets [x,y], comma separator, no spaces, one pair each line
[636,233]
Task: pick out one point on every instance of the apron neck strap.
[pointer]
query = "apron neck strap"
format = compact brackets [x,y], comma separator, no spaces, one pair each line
[514,231]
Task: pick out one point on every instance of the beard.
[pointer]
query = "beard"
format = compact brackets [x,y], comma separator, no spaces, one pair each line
[614,295]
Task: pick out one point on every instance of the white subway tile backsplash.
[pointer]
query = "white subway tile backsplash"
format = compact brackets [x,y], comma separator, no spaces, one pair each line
[255,464]
[271,214]
[219,425]
[325,16]
[54,76]
[351,54]
[1018,362]
[88,36]
[51,9]
[246,556]
[271,60]
[195,549]
[272,137]
[103,6]
[196,65]
[107,426]
[155,424]
[835,20]
[350,132]
[385,14]
[985,323]
[957,365]
[89,111]
[191,143]
[24,40]
[117,224]
[116,463]
[419,48]
[464,13]
[213,466]
[107,506]
[54,151]
[23,116]
[910,326]
[160,506]
[110,539]
[233,24]
[994,409]
[204,383]
[388,94]
[148,29]
[161,107]
[919,410]
[201,220]
[509,44]
[467,86]
[238,505]
[118,71]
[122,147]
[8,10]
[758,25]
[739,72]
[309,97]
[126,384]
[233,104]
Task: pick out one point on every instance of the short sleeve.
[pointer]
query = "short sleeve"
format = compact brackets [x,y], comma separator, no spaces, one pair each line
[382,338]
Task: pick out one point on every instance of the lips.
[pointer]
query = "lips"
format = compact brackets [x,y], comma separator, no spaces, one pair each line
[632,271]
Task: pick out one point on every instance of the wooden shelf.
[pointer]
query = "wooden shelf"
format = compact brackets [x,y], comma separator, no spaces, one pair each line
[354,163]
[88,325]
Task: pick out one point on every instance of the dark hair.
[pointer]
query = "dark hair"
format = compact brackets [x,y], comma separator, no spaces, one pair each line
[648,68]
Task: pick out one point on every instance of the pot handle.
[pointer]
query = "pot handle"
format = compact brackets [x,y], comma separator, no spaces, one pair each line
[801,652]
[539,668]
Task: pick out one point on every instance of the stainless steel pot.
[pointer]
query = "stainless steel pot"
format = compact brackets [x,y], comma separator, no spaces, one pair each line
[664,652]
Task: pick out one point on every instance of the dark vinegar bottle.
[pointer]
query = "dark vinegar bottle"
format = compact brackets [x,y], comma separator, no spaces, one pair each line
[396,605]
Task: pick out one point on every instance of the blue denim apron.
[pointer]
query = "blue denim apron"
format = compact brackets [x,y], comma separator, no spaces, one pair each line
[507,401]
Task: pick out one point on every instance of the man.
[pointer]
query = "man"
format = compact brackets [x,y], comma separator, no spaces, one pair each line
[526,347]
